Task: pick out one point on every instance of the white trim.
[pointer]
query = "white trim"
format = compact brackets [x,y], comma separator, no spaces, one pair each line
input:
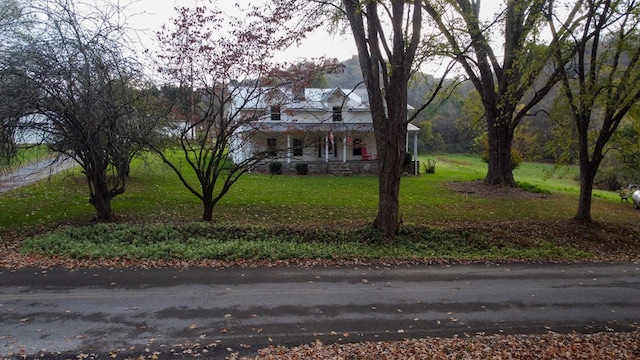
[344,149]
[415,153]
[288,149]
[326,148]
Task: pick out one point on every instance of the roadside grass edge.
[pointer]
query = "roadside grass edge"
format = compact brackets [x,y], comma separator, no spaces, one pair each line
[207,241]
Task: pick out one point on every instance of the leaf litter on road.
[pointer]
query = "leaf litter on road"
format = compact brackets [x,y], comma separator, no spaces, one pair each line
[606,346]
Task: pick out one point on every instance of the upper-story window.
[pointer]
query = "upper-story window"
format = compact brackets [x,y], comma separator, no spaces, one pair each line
[337,113]
[275,112]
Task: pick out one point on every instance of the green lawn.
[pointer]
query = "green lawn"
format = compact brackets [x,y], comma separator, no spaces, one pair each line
[318,206]
[155,194]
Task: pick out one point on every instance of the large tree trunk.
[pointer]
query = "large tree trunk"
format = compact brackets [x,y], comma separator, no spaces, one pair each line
[207,213]
[388,107]
[207,184]
[100,196]
[500,142]
[588,170]
[391,142]
[103,209]
[391,149]
[583,214]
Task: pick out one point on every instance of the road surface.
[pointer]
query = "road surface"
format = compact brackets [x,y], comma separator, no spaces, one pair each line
[245,309]
[33,172]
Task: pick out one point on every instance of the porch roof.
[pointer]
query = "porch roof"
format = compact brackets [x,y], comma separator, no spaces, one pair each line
[315,99]
[306,127]
[286,127]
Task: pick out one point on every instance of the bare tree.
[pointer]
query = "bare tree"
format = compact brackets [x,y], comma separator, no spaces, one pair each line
[509,68]
[14,93]
[601,83]
[84,92]
[13,90]
[389,39]
[223,67]
[387,61]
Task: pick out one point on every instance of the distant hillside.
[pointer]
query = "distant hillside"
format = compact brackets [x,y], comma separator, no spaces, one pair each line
[441,114]
[350,78]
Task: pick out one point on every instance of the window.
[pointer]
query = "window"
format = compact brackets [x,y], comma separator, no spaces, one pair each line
[357,147]
[337,113]
[275,113]
[272,149]
[297,147]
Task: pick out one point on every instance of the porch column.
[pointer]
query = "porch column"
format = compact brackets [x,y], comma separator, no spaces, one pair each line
[415,153]
[288,149]
[326,149]
[344,149]
[406,146]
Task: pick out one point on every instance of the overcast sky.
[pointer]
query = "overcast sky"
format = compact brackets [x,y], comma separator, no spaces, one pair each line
[150,15]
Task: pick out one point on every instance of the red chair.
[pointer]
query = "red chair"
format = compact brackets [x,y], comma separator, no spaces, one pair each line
[365,155]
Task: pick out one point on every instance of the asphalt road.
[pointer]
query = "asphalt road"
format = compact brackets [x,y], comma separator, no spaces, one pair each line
[32,172]
[244,309]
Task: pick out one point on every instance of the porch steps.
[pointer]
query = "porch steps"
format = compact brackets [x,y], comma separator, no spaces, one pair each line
[339,169]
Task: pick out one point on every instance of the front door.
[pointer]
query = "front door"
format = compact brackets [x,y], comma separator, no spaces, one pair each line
[327,148]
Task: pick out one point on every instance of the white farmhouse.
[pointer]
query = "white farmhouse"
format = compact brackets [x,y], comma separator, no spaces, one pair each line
[319,127]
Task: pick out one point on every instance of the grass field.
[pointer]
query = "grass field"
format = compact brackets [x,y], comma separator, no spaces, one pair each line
[316,204]
[155,194]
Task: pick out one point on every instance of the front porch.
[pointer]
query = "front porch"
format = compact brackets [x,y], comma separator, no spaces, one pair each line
[338,167]
[338,150]
[324,148]
[318,145]
[326,168]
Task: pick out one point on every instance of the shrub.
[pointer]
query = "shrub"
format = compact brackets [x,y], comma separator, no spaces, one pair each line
[407,159]
[228,164]
[302,169]
[197,241]
[275,167]
[516,157]
[533,188]
[430,166]
[607,178]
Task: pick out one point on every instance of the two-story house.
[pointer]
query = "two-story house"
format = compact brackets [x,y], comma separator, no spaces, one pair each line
[314,126]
